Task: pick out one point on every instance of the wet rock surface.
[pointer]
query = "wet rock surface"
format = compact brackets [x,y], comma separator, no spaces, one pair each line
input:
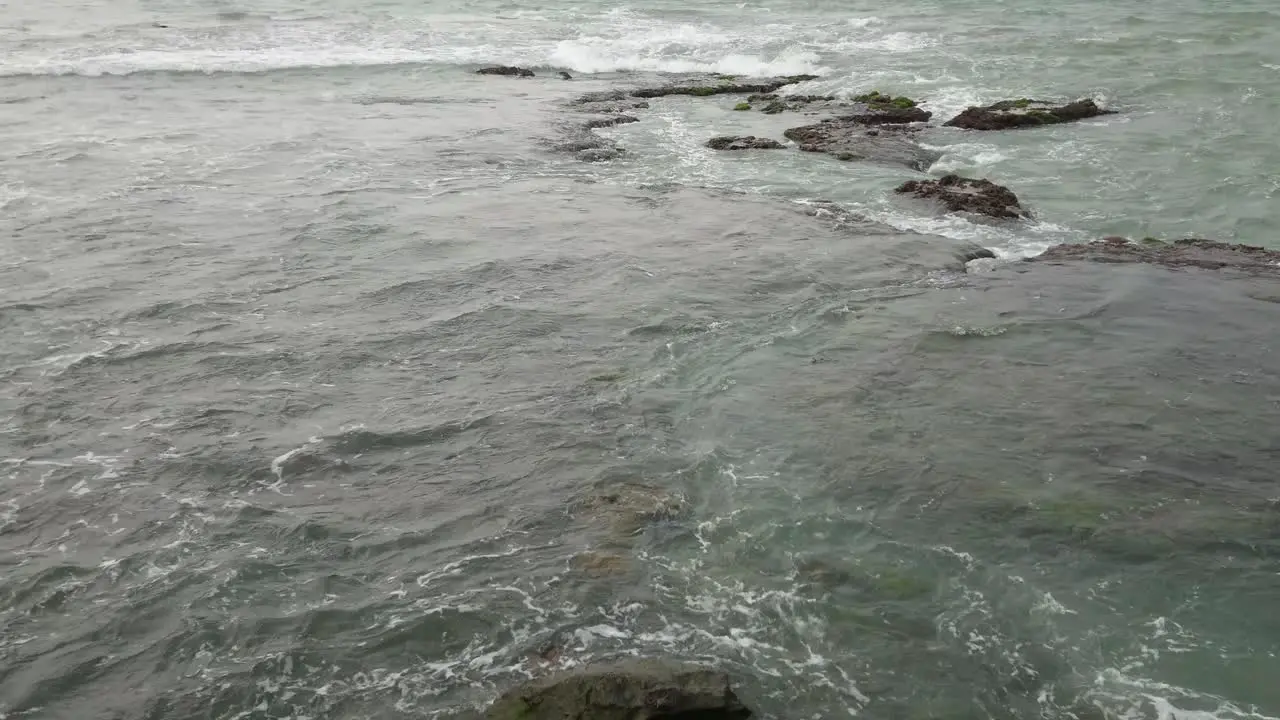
[721,85]
[744,142]
[851,139]
[773,104]
[1025,113]
[961,194]
[627,690]
[1192,252]
[608,102]
[505,70]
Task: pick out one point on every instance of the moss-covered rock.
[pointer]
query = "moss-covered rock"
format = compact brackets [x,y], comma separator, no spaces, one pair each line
[742,106]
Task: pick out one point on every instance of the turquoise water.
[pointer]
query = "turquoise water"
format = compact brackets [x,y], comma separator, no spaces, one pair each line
[331,389]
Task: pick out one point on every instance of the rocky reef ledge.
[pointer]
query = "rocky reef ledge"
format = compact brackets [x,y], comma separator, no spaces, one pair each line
[1191,252]
[626,690]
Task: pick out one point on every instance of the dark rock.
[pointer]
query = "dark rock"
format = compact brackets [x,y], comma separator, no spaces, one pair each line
[783,103]
[564,75]
[627,690]
[889,115]
[1025,113]
[505,70]
[977,252]
[608,102]
[600,154]
[960,194]
[610,121]
[746,142]
[878,109]
[722,86]
[849,139]
[1181,253]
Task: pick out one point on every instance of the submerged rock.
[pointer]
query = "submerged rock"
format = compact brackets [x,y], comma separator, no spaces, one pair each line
[743,142]
[627,690]
[1025,113]
[1192,252]
[627,508]
[722,85]
[960,194]
[507,70]
[564,75]
[848,138]
[596,563]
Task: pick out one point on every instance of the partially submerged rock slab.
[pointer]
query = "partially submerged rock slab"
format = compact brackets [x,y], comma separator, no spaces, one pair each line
[597,563]
[961,194]
[722,86]
[743,142]
[610,121]
[608,102]
[1025,113]
[626,508]
[1192,252]
[772,103]
[626,690]
[851,139]
[506,70]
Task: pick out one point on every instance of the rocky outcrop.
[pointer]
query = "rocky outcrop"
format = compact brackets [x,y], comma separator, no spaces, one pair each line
[627,690]
[1025,113]
[610,101]
[960,194]
[722,85]
[848,138]
[1180,253]
[874,108]
[745,142]
[506,70]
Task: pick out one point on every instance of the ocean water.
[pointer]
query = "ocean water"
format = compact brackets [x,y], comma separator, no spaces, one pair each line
[330,387]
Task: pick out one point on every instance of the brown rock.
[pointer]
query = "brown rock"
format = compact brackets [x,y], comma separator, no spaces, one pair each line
[959,194]
[595,563]
[627,508]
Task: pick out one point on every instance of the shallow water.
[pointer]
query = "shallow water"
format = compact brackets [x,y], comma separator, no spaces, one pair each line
[318,358]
